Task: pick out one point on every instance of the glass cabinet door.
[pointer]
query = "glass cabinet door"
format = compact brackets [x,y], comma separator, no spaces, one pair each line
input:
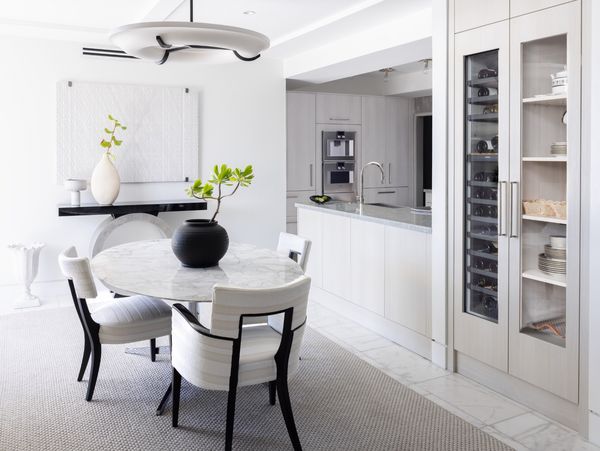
[481,185]
[544,199]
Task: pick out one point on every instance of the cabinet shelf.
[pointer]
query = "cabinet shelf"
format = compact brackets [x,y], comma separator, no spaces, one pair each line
[547,159]
[474,200]
[490,117]
[481,272]
[487,220]
[544,219]
[490,82]
[545,336]
[478,236]
[483,157]
[540,276]
[483,184]
[482,254]
[485,100]
[484,290]
[547,99]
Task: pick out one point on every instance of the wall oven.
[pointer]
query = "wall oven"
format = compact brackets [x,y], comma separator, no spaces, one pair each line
[338,162]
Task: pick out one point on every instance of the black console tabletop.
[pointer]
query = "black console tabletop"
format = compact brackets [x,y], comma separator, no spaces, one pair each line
[124,208]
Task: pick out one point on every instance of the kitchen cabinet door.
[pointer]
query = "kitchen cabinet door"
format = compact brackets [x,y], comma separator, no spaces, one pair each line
[301,152]
[520,7]
[470,14]
[338,109]
[373,139]
[336,255]
[393,196]
[367,276]
[310,226]
[408,278]
[397,122]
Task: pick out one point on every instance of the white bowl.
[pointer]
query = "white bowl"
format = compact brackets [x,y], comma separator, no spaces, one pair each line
[558,242]
[75,185]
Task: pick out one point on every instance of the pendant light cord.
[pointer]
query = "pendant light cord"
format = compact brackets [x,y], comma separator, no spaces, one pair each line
[192,11]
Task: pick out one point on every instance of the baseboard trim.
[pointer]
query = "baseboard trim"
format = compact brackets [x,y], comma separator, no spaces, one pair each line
[392,331]
[554,407]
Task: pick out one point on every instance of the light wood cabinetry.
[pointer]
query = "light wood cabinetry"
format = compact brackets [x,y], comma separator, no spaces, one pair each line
[338,109]
[301,152]
[336,255]
[408,279]
[385,126]
[470,14]
[392,196]
[367,246]
[533,333]
[520,7]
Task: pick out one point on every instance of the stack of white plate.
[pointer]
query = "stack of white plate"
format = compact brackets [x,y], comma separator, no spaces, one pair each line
[552,265]
[554,258]
[558,148]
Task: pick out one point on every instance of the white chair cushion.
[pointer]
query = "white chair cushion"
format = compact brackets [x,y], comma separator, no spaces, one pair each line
[134,318]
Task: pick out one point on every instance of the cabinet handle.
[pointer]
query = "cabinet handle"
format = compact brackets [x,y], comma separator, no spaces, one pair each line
[339,118]
[292,197]
[311,174]
[386,192]
[501,213]
[389,173]
[514,206]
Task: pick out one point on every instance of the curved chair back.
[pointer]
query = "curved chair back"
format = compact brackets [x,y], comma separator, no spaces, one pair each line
[77,269]
[298,248]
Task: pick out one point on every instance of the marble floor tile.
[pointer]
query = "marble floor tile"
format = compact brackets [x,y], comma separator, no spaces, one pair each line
[474,399]
[547,437]
[504,439]
[417,374]
[455,410]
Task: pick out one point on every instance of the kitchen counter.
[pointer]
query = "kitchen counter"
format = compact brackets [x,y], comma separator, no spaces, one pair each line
[396,217]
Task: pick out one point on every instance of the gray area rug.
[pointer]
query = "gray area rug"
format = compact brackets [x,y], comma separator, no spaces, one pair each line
[339,401]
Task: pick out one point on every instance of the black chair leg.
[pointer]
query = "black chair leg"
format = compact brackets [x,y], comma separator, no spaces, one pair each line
[153,349]
[230,418]
[87,349]
[176,390]
[286,409]
[96,355]
[272,392]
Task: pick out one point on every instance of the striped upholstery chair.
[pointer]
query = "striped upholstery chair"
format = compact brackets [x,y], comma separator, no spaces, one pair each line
[229,356]
[125,320]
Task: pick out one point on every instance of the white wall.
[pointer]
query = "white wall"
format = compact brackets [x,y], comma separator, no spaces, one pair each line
[242,120]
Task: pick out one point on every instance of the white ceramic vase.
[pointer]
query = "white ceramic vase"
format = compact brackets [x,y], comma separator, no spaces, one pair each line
[26,261]
[105,183]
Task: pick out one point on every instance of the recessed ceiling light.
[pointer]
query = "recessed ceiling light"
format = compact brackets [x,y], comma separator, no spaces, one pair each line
[249,12]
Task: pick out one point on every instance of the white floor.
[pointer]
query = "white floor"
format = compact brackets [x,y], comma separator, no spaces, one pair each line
[510,422]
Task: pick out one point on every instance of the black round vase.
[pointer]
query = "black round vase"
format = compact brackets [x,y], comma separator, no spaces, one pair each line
[199,243]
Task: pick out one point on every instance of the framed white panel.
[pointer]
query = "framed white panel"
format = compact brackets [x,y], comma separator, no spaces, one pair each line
[159,145]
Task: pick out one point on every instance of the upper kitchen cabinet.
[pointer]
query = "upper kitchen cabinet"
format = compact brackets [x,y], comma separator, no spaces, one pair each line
[396,141]
[338,109]
[301,157]
[520,7]
[470,14]
[374,139]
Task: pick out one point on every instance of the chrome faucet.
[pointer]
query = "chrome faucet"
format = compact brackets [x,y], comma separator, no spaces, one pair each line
[361,197]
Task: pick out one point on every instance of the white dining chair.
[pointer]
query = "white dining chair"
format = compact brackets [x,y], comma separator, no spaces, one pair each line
[124,320]
[228,355]
[294,246]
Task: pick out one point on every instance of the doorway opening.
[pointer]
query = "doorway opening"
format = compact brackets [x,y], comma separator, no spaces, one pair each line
[423,141]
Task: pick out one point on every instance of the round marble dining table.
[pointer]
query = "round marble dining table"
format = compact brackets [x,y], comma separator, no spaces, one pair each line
[150,268]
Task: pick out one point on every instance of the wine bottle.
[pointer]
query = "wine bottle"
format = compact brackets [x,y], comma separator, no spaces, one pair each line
[495,143]
[484,146]
[484,92]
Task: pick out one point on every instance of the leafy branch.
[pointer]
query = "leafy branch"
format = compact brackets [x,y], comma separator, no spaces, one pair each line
[111,138]
[220,177]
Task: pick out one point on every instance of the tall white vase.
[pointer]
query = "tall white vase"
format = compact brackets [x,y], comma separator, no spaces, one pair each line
[105,182]
[25,263]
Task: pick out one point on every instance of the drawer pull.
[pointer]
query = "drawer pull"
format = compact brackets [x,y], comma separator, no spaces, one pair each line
[386,192]
[339,118]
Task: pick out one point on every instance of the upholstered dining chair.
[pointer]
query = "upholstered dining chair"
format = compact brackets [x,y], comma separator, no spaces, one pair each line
[295,247]
[228,355]
[124,320]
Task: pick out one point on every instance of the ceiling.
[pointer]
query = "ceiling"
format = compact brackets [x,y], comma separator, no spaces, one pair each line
[293,26]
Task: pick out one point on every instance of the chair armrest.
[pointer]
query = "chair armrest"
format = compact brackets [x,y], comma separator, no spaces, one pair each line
[195,324]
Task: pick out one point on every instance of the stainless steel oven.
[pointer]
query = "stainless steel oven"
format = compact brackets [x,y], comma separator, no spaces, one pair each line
[338,176]
[338,145]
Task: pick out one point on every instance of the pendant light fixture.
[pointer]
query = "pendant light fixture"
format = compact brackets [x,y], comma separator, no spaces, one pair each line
[188,41]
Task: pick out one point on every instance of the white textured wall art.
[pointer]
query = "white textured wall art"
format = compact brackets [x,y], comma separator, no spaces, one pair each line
[159,145]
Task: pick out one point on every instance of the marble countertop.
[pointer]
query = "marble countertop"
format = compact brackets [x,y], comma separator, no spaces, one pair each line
[150,268]
[397,217]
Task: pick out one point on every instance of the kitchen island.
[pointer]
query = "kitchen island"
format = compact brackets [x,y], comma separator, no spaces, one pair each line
[372,264]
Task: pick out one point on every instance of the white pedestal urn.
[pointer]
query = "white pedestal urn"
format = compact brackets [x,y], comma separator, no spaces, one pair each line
[25,263]
[105,183]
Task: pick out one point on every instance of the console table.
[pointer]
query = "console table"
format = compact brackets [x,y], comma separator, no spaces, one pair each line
[125,212]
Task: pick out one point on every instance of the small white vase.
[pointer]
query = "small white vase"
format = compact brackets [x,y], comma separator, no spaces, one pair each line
[105,183]
[26,261]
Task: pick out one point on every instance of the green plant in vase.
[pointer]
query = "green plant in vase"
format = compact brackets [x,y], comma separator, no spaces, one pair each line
[111,138]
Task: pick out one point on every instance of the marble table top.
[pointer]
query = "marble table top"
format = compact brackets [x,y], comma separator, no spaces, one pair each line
[150,268]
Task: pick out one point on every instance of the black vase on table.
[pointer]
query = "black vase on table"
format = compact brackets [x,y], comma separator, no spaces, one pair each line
[199,243]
